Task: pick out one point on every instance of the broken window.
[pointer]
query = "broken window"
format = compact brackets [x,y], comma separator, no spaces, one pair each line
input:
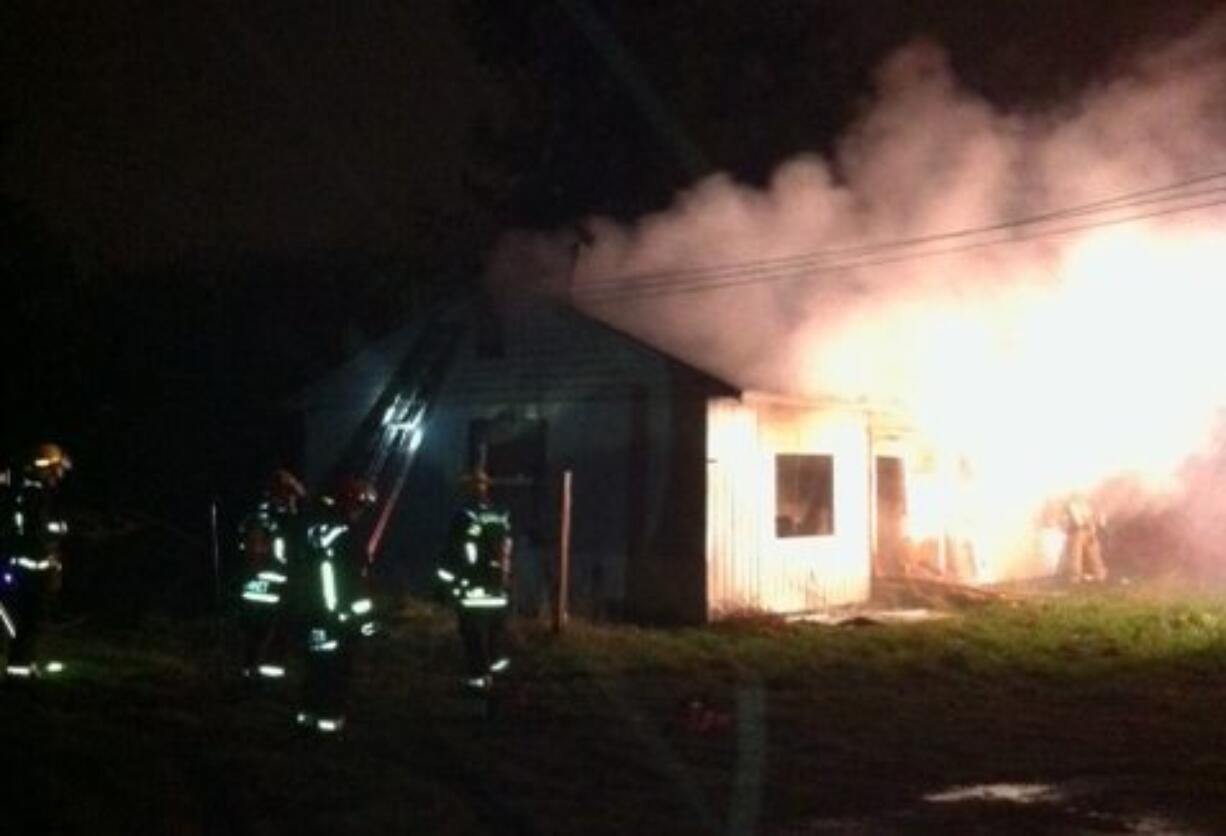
[804,495]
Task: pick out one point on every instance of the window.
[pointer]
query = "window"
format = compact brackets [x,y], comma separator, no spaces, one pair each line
[804,495]
[512,451]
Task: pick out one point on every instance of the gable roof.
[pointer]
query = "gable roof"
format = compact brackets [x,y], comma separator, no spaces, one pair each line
[700,376]
[550,350]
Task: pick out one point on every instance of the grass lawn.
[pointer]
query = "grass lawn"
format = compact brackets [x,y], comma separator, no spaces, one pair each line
[748,726]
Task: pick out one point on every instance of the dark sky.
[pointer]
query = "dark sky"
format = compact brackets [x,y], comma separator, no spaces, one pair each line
[145,131]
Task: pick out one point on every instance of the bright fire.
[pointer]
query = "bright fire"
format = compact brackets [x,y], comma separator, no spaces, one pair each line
[1101,370]
[1051,360]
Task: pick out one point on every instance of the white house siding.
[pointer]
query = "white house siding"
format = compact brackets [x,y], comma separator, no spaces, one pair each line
[735,526]
[604,401]
[747,565]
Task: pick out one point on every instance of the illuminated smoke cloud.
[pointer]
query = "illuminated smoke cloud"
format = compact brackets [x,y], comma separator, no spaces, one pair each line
[1054,361]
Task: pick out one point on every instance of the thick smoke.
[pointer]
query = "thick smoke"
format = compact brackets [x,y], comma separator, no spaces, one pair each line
[1073,354]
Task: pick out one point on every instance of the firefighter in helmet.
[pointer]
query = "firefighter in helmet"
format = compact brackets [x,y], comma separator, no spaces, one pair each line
[331,593]
[268,541]
[33,529]
[475,571]
[1082,545]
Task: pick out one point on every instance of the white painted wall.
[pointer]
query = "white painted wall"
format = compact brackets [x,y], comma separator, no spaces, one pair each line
[748,567]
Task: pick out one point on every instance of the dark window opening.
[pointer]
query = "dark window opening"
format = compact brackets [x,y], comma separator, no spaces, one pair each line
[804,495]
[512,451]
[891,516]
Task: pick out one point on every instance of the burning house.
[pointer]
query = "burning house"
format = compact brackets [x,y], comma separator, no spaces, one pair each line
[692,497]
[890,359]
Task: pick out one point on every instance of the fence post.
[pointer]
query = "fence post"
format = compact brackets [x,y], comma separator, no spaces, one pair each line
[562,593]
[215,548]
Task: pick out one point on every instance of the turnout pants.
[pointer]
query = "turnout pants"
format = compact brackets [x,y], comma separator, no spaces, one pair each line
[263,638]
[33,591]
[327,674]
[1085,558]
[483,632]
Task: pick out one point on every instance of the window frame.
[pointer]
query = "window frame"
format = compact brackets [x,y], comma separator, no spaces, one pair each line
[790,490]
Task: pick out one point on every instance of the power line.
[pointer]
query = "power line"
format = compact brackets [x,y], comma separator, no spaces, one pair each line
[761,274]
[630,294]
[1116,202]
[684,280]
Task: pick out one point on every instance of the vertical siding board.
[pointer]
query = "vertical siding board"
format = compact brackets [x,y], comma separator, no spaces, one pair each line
[749,566]
[733,519]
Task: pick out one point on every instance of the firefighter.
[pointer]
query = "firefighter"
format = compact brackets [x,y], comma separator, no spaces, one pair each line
[335,608]
[33,530]
[1082,546]
[269,539]
[475,572]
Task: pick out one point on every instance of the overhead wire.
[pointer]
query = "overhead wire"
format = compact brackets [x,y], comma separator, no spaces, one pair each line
[800,272]
[1116,201]
[1120,201]
[1170,198]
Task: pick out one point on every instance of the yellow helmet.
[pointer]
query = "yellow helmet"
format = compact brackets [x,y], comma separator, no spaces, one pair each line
[50,457]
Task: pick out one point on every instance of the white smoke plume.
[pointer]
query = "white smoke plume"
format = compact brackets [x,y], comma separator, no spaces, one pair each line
[1069,354]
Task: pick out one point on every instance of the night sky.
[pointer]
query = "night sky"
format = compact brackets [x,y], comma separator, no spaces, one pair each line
[145,133]
[205,204]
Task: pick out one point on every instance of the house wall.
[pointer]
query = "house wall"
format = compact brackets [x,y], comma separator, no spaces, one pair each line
[628,427]
[581,436]
[667,577]
[748,566]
